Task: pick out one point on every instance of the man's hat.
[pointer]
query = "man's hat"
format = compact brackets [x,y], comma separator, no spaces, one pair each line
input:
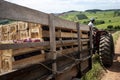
[92,19]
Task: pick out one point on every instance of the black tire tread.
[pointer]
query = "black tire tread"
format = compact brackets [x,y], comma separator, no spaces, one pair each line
[106,50]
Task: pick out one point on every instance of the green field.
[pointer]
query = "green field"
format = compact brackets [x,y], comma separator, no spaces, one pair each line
[109,17]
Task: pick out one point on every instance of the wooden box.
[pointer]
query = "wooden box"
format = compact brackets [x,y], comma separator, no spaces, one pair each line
[22,25]
[13,28]
[23,34]
[35,30]
[14,36]
[5,37]
[9,62]
[5,29]
[6,61]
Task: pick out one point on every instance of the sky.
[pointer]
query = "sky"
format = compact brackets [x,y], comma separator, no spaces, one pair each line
[59,6]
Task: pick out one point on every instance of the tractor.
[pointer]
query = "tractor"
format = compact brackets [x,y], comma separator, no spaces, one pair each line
[104,46]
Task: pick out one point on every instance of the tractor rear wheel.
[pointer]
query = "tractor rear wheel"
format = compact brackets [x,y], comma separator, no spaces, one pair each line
[106,50]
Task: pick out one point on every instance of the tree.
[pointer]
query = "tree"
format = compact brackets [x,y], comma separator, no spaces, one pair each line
[110,26]
[81,16]
[116,13]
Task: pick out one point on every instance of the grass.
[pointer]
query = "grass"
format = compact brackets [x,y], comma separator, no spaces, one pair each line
[96,71]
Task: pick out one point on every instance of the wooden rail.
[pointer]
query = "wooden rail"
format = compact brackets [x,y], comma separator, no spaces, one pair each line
[64,43]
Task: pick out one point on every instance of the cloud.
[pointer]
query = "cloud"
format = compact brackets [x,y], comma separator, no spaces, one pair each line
[54,6]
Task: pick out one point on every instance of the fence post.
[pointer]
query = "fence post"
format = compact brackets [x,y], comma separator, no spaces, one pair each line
[79,46]
[91,46]
[52,42]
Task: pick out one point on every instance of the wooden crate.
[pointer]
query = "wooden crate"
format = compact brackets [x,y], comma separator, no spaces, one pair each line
[9,63]
[5,37]
[35,30]
[23,34]
[6,60]
[22,25]
[14,36]
[5,29]
[13,28]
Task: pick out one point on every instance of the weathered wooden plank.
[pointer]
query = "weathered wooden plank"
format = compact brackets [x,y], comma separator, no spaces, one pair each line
[66,42]
[35,44]
[85,43]
[79,37]
[83,40]
[69,50]
[24,51]
[29,73]
[53,42]
[84,47]
[16,12]
[84,36]
[60,34]
[64,52]
[65,34]
[23,45]
[28,61]
[64,23]
[84,27]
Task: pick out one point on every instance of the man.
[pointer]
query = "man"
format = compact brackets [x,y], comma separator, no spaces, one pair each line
[91,23]
[92,27]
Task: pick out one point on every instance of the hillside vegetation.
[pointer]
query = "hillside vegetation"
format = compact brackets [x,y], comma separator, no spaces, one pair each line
[105,19]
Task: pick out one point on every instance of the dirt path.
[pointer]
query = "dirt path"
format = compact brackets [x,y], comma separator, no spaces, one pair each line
[113,73]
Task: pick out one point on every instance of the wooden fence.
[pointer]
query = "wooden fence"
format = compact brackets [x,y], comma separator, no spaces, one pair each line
[61,45]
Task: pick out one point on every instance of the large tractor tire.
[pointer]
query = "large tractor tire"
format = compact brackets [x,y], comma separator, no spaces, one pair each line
[106,50]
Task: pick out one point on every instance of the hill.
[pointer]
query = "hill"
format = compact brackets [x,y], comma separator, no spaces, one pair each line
[104,18]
